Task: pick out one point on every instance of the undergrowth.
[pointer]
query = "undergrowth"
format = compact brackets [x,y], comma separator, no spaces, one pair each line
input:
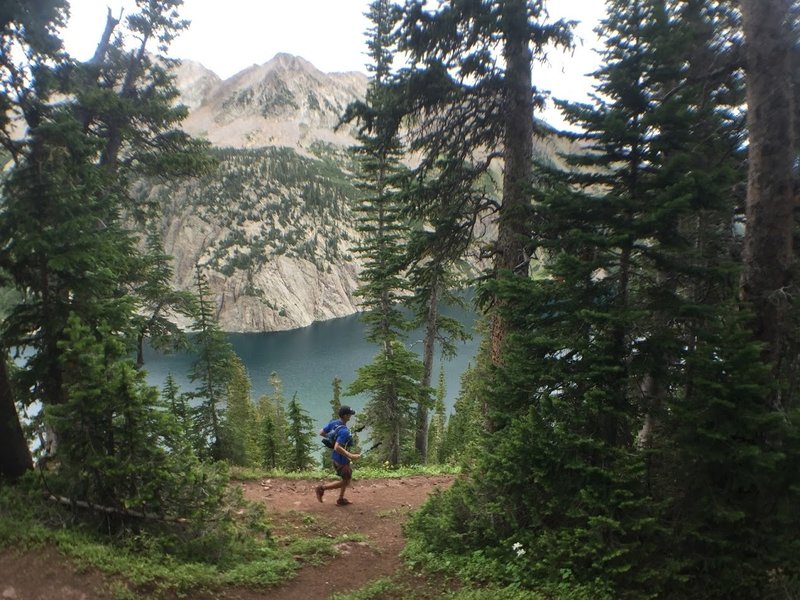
[153,558]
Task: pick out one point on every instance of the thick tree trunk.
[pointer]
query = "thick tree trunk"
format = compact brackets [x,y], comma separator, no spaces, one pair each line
[770,187]
[513,235]
[15,457]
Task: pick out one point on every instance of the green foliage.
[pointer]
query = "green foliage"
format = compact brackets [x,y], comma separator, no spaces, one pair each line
[299,436]
[159,559]
[728,469]
[119,447]
[393,380]
[466,425]
[271,426]
[632,446]
[211,371]
[441,541]
[158,303]
[438,424]
[239,443]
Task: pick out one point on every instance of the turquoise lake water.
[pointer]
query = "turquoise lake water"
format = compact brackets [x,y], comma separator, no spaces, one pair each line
[307,360]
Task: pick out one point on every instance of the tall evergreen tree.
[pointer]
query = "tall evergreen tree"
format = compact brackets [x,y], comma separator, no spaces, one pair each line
[68,248]
[438,424]
[392,379]
[299,436]
[471,106]
[119,448]
[637,251]
[238,431]
[432,255]
[767,281]
[211,371]
[272,426]
[159,303]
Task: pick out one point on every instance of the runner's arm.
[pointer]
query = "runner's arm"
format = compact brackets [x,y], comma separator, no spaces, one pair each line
[344,452]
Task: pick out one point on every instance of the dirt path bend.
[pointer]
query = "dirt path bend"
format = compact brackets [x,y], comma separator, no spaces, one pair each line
[380,507]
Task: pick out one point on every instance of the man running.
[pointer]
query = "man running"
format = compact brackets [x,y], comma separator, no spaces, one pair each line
[341,455]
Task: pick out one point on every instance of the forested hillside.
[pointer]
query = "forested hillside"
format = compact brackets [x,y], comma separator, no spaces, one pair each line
[273,228]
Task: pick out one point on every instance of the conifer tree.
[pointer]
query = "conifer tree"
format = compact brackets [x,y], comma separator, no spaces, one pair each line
[392,380]
[211,371]
[299,435]
[769,252]
[639,284]
[120,450]
[336,403]
[159,303]
[272,425]
[66,203]
[178,404]
[238,432]
[438,424]
[473,107]
[432,255]
[336,399]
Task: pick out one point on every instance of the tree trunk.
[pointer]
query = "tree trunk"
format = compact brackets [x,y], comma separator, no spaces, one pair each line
[428,344]
[770,181]
[15,456]
[513,235]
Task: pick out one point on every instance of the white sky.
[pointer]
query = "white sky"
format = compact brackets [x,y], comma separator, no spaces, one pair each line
[227,36]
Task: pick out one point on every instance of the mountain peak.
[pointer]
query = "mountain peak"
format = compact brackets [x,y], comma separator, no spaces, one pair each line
[286,101]
[290,62]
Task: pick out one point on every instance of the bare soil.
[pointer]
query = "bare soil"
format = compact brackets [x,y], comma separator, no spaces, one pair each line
[374,519]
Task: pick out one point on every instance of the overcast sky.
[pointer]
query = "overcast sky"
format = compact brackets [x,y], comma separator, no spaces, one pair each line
[227,36]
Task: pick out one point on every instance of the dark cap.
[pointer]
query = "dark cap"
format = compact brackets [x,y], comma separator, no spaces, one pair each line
[346,410]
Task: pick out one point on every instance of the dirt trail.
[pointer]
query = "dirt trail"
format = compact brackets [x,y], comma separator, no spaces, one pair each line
[380,506]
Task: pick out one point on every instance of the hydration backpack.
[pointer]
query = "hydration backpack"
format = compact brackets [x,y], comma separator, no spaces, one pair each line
[330,438]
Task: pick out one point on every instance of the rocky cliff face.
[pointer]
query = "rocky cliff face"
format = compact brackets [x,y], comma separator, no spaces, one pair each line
[272,230]
[272,226]
[285,102]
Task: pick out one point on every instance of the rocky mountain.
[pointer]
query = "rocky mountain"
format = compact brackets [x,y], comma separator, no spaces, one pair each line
[272,227]
[284,102]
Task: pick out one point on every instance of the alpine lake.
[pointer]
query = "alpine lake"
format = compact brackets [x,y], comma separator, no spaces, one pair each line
[307,360]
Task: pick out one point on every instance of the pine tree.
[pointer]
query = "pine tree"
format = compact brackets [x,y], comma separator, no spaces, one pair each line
[336,399]
[238,445]
[471,105]
[627,322]
[178,404]
[438,424]
[66,203]
[431,255]
[336,403]
[299,436]
[392,380]
[769,255]
[272,426]
[211,371]
[119,448]
[159,303]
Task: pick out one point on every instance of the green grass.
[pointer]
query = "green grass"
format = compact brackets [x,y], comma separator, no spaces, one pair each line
[157,560]
[368,472]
